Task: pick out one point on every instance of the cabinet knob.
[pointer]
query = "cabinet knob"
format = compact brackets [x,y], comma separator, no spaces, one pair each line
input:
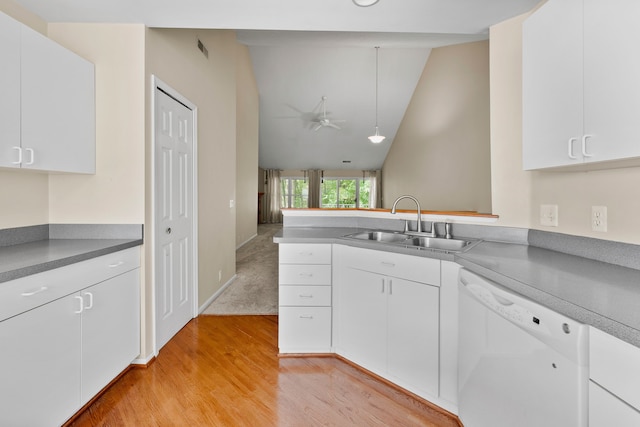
[168,230]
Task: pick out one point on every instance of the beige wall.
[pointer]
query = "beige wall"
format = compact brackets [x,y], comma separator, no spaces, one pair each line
[209,83]
[247,109]
[115,194]
[440,153]
[517,195]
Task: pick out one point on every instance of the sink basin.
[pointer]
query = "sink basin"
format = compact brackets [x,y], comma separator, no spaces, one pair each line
[397,238]
[438,243]
[380,236]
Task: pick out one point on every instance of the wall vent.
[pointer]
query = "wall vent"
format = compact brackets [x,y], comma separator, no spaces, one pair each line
[203,49]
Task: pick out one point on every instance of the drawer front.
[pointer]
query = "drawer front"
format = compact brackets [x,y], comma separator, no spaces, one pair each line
[306,296]
[303,253]
[20,295]
[414,268]
[615,365]
[292,274]
[606,410]
[304,329]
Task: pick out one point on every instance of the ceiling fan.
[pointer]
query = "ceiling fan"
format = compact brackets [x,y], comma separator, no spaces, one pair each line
[321,120]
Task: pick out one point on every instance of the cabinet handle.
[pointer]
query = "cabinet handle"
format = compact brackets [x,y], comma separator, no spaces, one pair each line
[388,264]
[32,293]
[305,296]
[116,264]
[305,253]
[81,306]
[584,146]
[306,274]
[570,148]
[90,306]
[382,291]
[19,156]
[390,287]
[32,158]
[306,316]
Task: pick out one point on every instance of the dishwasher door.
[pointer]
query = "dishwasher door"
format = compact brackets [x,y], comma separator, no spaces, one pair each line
[520,364]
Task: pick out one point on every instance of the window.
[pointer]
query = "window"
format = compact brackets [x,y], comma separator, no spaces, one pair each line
[345,193]
[295,193]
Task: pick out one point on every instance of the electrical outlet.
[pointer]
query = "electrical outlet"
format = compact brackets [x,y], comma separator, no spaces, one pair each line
[549,215]
[232,203]
[599,218]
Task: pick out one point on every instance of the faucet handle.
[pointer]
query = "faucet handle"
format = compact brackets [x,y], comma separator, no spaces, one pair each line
[447,230]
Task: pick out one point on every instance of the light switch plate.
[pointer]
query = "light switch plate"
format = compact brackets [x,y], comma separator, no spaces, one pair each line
[549,215]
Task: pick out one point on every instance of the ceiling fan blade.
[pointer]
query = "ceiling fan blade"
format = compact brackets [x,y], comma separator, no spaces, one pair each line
[333,125]
[318,126]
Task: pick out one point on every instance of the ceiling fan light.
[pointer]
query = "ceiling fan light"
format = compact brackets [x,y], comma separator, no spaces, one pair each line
[365,3]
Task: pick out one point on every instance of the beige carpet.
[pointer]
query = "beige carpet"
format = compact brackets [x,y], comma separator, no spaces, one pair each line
[255,289]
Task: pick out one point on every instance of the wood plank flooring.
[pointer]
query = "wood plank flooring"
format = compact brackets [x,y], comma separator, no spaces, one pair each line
[224,371]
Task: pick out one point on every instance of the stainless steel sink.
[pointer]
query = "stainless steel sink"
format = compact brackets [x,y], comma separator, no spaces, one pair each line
[380,236]
[439,243]
[413,240]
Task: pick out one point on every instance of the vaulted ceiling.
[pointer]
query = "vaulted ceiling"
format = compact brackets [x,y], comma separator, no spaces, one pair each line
[303,50]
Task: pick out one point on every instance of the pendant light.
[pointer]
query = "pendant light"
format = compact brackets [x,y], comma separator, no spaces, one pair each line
[376,138]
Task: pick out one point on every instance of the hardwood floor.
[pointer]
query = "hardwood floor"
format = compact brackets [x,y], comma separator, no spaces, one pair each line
[224,371]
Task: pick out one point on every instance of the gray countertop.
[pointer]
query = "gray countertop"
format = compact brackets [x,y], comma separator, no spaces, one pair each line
[33,249]
[35,257]
[596,293]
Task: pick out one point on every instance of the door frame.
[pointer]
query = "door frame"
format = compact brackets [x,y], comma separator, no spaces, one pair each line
[157,84]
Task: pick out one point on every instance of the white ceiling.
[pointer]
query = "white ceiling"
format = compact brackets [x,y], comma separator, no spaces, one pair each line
[303,50]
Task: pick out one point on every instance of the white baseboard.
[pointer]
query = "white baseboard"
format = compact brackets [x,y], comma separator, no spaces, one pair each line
[246,241]
[208,302]
[143,361]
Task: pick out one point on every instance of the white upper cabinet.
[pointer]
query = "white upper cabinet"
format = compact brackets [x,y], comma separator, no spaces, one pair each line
[55,104]
[581,94]
[10,89]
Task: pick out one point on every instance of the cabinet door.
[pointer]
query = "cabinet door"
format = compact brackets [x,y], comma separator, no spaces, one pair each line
[10,90]
[412,335]
[110,330]
[552,85]
[362,328]
[611,85]
[39,365]
[58,107]
[607,410]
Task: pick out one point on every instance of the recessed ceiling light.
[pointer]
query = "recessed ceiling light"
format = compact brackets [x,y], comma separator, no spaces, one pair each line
[365,3]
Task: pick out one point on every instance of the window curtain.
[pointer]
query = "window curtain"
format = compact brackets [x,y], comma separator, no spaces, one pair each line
[315,179]
[375,198]
[273,197]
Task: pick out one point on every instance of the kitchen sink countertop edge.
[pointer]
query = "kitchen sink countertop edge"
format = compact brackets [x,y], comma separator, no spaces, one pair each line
[600,294]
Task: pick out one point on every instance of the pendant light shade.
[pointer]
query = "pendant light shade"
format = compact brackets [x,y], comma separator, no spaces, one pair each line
[376,138]
[365,3]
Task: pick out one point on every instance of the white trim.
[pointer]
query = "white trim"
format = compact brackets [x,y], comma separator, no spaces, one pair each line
[246,241]
[156,84]
[219,292]
[144,361]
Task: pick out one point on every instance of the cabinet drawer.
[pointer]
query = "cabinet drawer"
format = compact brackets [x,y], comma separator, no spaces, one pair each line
[292,274]
[606,410]
[20,295]
[615,365]
[414,268]
[305,295]
[304,329]
[299,253]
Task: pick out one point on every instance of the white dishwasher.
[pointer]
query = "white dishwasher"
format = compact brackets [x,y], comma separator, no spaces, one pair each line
[520,364]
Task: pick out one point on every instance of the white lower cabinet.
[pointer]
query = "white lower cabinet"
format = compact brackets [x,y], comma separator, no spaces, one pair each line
[386,323]
[614,386]
[57,354]
[304,313]
[40,365]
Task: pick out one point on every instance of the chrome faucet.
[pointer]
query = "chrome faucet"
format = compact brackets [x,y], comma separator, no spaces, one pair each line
[393,209]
